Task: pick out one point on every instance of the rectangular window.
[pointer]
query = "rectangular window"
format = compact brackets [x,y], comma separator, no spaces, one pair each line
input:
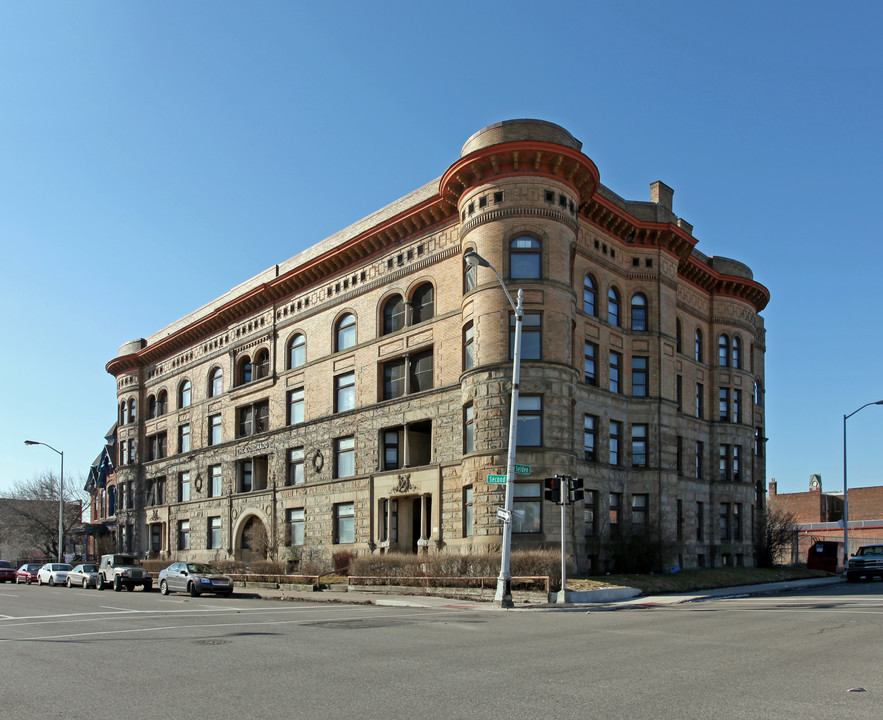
[530,421]
[737,406]
[700,400]
[295,474]
[156,538]
[469,429]
[724,521]
[737,463]
[639,445]
[531,336]
[214,481]
[254,419]
[344,457]
[615,369]
[156,446]
[344,392]
[214,533]
[724,463]
[468,346]
[640,368]
[680,520]
[679,392]
[640,509]
[724,403]
[589,366]
[344,523]
[615,437]
[737,522]
[700,521]
[527,499]
[246,476]
[155,492]
[295,519]
[296,406]
[679,457]
[184,438]
[391,449]
[184,487]
[590,423]
[700,452]
[214,429]
[615,509]
[468,511]
[406,375]
[183,535]
[591,507]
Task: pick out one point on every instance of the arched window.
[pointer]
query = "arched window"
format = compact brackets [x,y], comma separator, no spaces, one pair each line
[737,352]
[589,295]
[679,336]
[697,350]
[723,351]
[613,306]
[151,406]
[216,382]
[297,351]
[162,403]
[246,370]
[184,394]
[524,257]
[422,303]
[123,412]
[639,312]
[469,276]
[132,410]
[393,314]
[345,332]
[262,364]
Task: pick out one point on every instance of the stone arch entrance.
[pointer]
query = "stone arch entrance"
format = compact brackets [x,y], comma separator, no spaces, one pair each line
[252,540]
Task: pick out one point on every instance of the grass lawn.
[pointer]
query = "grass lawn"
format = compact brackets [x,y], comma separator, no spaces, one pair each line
[689,580]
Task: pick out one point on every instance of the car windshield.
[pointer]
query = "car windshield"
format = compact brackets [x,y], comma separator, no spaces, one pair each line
[89,568]
[59,567]
[6,564]
[871,550]
[123,560]
[202,569]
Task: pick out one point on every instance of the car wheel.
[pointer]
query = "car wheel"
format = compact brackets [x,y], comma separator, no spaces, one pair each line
[117,585]
[85,583]
[68,582]
[164,588]
[99,583]
[51,581]
[192,589]
[148,586]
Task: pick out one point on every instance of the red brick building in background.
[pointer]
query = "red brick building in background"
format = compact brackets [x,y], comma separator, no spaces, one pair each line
[819,515]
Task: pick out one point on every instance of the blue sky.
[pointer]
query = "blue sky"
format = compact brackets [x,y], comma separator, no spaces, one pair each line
[154,155]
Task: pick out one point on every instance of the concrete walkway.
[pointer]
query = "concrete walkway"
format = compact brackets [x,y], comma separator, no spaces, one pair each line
[604,600]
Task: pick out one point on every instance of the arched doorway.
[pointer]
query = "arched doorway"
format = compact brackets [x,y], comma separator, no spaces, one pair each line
[254,540]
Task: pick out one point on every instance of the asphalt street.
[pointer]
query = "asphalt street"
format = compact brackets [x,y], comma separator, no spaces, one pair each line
[76,653]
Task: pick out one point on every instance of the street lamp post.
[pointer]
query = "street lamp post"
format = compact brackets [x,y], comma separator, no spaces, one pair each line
[503,595]
[60,497]
[845,489]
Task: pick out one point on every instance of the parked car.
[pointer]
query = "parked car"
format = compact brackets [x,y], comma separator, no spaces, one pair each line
[7,571]
[83,575]
[27,573]
[194,578]
[866,563]
[53,574]
[122,571]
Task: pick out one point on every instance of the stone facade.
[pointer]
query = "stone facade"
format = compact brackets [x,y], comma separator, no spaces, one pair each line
[397,401]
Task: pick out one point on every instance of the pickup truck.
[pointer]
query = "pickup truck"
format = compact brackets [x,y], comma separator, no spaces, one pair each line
[122,571]
[866,563]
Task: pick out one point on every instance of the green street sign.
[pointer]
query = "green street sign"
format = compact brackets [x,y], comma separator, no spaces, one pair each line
[496,479]
[522,469]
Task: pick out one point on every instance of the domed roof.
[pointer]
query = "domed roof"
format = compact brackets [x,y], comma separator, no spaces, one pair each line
[515,130]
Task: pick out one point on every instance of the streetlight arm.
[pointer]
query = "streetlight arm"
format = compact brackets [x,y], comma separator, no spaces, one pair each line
[60,497]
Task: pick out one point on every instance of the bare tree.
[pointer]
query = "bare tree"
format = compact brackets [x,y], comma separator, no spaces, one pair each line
[776,531]
[29,515]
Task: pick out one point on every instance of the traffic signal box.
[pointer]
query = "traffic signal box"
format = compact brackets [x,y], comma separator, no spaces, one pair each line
[573,488]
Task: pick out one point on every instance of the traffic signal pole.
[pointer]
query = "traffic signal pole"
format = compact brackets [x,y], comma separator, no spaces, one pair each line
[564,492]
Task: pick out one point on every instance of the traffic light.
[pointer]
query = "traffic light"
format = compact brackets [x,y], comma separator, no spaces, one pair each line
[575,490]
[553,489]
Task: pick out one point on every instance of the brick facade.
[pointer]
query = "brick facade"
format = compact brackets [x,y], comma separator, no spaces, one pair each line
[526,199]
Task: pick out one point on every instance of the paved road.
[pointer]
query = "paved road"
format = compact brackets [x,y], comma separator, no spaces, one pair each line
[79,654]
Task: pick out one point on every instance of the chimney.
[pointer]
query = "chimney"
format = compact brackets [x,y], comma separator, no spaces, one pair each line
[661,194]
[773,486]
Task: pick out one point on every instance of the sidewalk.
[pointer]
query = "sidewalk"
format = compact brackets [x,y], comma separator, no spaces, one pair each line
[602,600]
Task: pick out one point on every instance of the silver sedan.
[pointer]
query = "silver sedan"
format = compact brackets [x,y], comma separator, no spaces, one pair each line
[194,578]
[83,575]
